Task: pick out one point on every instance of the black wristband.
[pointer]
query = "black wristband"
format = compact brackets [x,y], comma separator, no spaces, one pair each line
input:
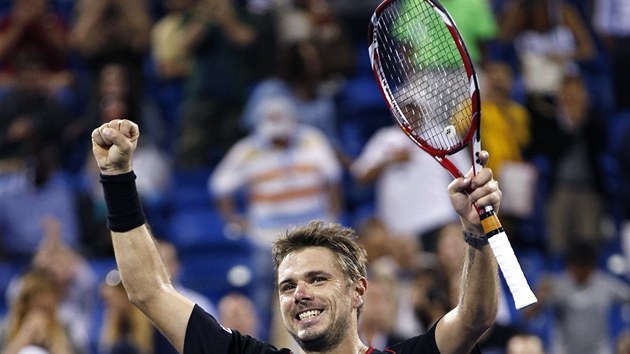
[124,210]
[475,241]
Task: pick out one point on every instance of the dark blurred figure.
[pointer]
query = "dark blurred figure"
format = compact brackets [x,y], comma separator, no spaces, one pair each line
[580,299]
[550,37]
[33,26]
[125,329]
[74,279]
[525,344]
[31,120]
[112,31]
[33,140]
[32,322]
[378,319]
[622,345]
[153,163]
[301,79]
[237,311]
[610,21]
[574,141]
[216,38]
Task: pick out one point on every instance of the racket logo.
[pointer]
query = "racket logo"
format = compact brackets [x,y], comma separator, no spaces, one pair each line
[450,131]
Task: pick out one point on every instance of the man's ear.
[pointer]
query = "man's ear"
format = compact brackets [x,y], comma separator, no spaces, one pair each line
[360,289]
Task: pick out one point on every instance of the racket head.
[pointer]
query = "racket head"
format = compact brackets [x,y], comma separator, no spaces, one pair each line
[426,76]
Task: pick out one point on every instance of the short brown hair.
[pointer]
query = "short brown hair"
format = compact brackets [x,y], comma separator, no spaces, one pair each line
[351,257]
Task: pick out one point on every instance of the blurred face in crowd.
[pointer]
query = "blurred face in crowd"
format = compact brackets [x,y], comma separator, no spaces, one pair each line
[31,8]
[525,344]
[380,308]
[539,15]
[178,5]
[113,81]
[278,122]
[499,77]
[237,312]
[573,98]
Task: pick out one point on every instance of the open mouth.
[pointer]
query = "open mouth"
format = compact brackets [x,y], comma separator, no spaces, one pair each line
[306,315]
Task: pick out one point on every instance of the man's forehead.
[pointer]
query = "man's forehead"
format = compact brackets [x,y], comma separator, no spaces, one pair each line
[307,260]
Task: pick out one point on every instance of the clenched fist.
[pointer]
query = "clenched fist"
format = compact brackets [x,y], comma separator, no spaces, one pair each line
[113,144]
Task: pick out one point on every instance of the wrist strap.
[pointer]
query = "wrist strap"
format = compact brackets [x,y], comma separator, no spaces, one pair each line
[124,210]
[474,240]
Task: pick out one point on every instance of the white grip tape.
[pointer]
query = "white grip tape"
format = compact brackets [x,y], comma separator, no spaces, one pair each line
[511,270]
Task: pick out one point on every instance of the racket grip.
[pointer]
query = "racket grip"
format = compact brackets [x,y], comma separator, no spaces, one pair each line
[508,263]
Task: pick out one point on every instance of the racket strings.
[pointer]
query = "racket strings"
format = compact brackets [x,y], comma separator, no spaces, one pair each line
[425,72]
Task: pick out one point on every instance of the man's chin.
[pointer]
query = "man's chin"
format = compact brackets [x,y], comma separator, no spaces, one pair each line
[315,342]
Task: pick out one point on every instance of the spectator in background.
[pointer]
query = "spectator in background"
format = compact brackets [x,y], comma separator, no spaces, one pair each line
[300,79]
[33,26]
[405,177]
[215,37]
[505,127]
[154,163]
[317,22]
[170,257]
[168,38]
[168,253]
[477,24]
[31,120]
[506,134]
[429,297]
[436,287]
[172,61]
[622,345]
[378,318]
[112,31]
[288,170]
[74,279]
[32,321]
[237,312]
[525,344]
[289,174]
[580,299]
[550,37]
[24,213]
[574,142]
[610,21]
[382,246]
[125,329]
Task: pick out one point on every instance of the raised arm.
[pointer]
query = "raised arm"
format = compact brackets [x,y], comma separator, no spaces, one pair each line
[460,329]
[143,274]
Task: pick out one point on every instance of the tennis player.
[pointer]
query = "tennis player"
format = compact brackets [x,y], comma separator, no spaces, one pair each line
[320,272]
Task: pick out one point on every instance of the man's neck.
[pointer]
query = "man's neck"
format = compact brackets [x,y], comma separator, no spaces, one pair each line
[354,346]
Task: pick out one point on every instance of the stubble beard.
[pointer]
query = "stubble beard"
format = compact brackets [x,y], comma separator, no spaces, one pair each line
[325,341]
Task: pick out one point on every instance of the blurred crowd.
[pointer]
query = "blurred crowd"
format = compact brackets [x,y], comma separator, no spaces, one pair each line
[261,114]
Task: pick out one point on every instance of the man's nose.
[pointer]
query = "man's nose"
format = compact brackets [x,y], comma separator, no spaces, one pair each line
[302,292]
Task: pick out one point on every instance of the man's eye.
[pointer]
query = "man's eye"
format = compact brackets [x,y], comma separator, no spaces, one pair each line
[287,287]
[318,280]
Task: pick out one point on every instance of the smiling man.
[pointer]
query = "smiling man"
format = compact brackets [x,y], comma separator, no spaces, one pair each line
[320,272]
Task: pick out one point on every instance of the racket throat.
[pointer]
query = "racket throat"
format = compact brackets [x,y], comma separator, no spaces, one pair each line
[490,222]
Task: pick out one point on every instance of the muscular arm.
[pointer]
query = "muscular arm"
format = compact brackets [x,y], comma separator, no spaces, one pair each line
[143,274]
[148,285]
[461,328]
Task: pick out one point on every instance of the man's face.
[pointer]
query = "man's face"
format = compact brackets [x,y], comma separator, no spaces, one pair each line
[317,304]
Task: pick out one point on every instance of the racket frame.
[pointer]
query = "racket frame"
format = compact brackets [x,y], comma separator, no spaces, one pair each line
[503,252]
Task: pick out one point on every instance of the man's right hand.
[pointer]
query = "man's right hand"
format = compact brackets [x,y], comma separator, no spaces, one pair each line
[113,144]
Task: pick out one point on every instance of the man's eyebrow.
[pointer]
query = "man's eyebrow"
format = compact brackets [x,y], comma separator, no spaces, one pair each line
[308,275]
[286,281]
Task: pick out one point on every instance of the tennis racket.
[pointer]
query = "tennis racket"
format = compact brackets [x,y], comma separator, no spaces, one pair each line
[426,76]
